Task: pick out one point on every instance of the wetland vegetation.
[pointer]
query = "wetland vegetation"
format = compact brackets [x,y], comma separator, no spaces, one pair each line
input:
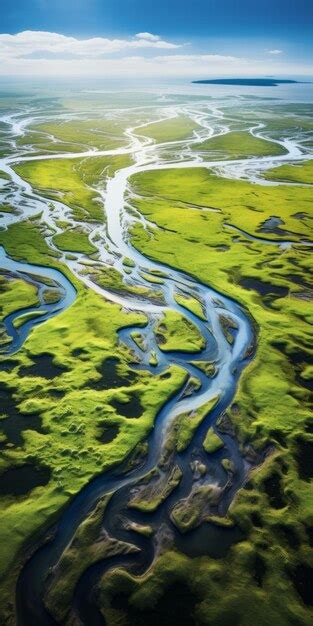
[155,366]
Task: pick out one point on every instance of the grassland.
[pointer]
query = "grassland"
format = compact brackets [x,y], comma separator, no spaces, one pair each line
[74,240]
[75,135]
[15,294]
[154,488]
[71,180]
[174,129]
[298,173]
[191,304]
[111,279]
[13,291]
[176,332]
[60,180]
[237,145]
[212,441]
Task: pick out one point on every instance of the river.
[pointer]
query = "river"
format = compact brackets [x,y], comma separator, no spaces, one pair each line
[229,357]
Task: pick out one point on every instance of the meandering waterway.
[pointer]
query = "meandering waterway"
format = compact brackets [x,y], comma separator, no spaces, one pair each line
[229,358]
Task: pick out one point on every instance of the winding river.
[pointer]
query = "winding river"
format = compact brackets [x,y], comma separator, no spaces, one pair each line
[229,357]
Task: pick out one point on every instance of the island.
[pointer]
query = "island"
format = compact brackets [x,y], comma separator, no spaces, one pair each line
[246,82]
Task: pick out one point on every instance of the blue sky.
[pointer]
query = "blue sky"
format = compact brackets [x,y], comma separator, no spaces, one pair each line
[214,36]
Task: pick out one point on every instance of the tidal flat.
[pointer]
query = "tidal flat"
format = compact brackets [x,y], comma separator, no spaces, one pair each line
[155,360]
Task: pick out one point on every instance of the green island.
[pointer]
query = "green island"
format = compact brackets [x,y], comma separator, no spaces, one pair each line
[176,332]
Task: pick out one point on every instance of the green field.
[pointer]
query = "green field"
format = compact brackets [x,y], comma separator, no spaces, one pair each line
[72,180]
[175,129]
[298,173]
[237,145]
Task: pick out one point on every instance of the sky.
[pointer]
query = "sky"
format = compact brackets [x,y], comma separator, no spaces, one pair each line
[146,38]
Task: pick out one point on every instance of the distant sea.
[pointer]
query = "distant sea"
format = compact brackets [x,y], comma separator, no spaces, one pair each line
[301,91]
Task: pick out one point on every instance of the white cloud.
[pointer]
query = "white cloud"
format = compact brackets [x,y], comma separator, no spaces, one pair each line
[148,36]
[275,51]
[39,42]
[36,53]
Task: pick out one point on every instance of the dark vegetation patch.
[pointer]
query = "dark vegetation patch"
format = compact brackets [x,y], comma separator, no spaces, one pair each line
[57,393]
[289,535]
[300,215]
[209,539]
[160,339]
[306,383]
[7,365]
[18,481]
[259,569]
[78,351]
[165,375]
[256,519]
[108,433]
[131,408]
[298,280]
[228,617]
[304,458]
[277,436]
[42,366]
[175,608]
[110,376]
[299,356]
[302,580]
[309,426]
[309,532]
[249,486]
[273,489]
[264,289]
[15,422]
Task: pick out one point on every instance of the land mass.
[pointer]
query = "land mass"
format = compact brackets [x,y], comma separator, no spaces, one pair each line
[251,82]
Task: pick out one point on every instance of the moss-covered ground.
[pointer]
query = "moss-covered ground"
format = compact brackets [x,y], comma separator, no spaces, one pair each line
[212,441]
[203,591]
[186,424]
[176,332]
[67,374]
[86,548]
[15,294]
[191,304]
[272,567]
[16,291]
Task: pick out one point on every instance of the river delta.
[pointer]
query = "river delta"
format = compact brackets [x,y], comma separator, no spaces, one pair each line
[156,357]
